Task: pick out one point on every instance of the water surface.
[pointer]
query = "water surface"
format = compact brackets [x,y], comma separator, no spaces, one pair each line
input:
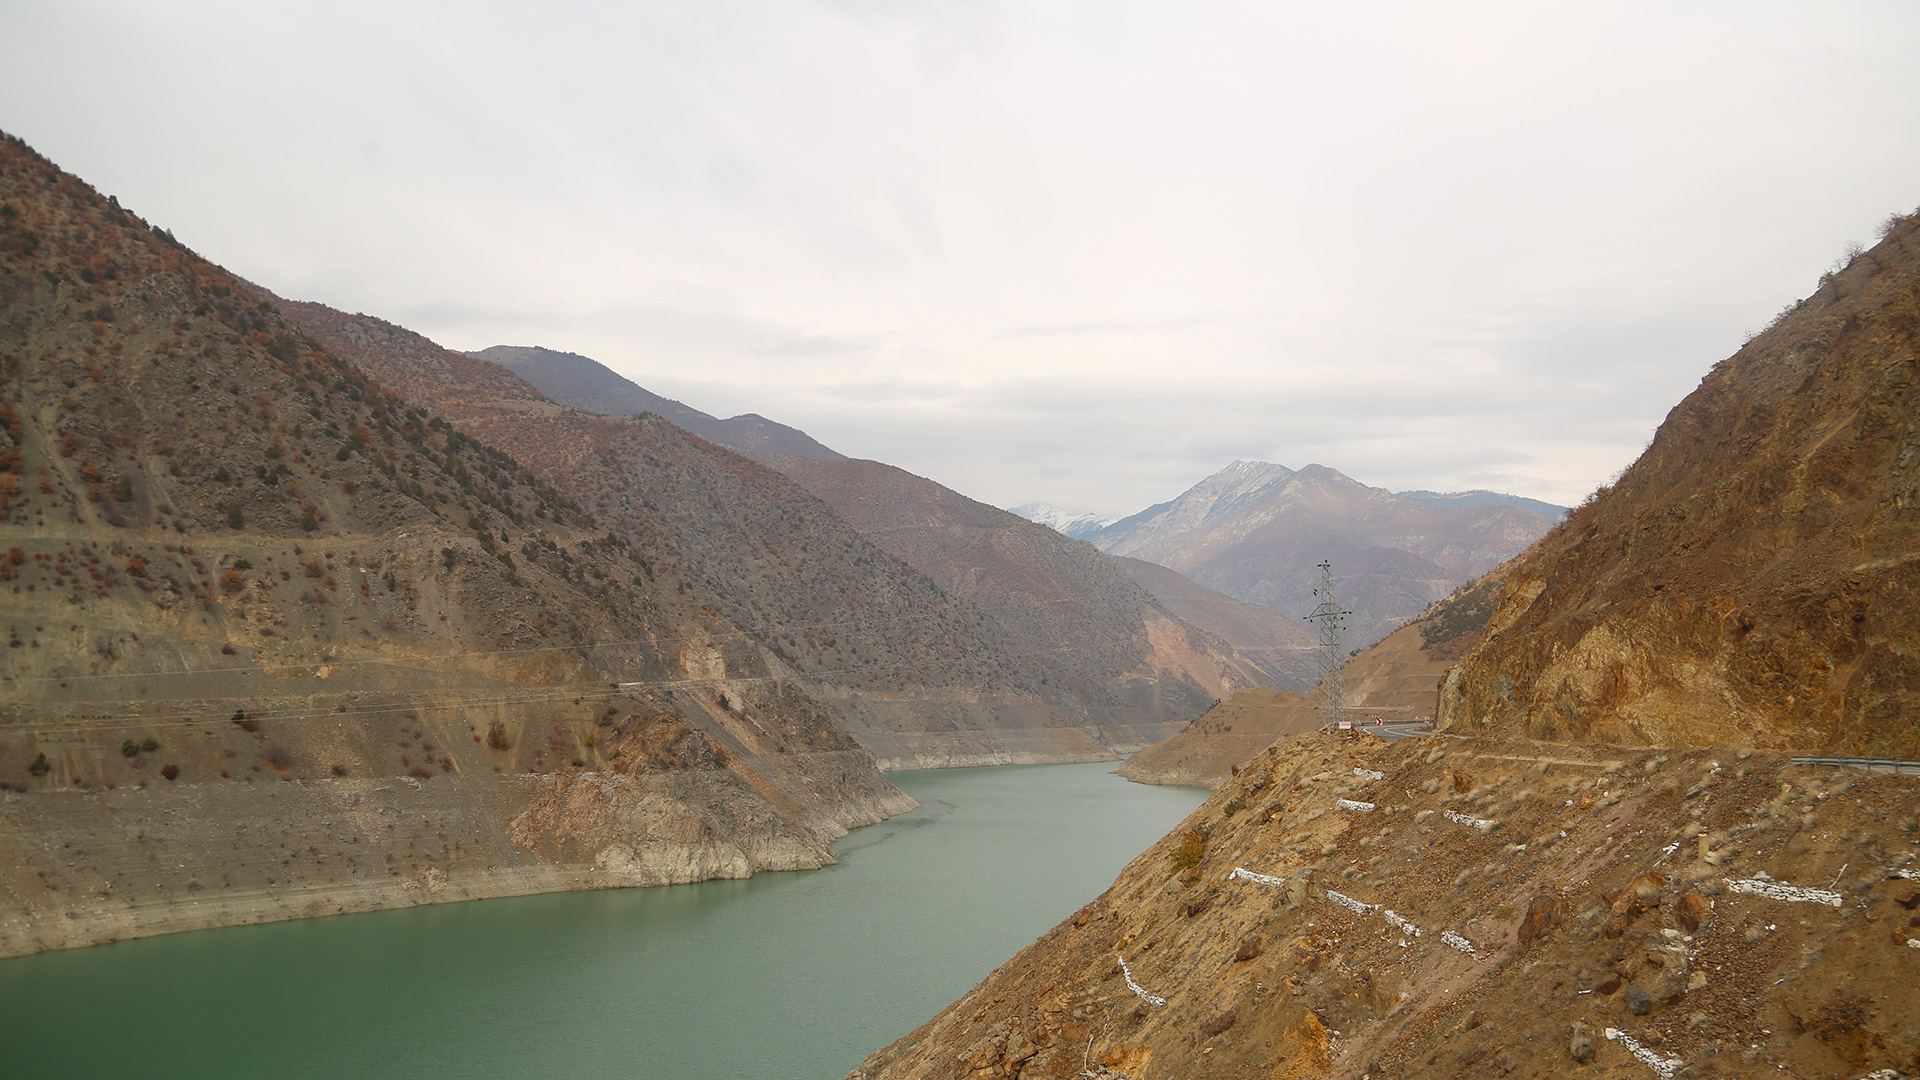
[793,975]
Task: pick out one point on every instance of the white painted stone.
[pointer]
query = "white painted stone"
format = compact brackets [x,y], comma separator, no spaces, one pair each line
[1665,1067]
[1773,890]
[1151,999]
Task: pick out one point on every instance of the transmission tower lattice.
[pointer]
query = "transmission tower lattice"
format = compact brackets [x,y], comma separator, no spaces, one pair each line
[1328,615]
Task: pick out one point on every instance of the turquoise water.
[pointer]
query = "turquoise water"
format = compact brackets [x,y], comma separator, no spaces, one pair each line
[796,975]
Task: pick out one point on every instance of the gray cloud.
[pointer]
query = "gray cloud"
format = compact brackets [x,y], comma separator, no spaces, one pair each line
[1073,251]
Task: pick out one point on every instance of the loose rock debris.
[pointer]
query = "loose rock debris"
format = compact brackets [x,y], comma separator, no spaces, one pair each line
[1354,804]
[1463,819]
[1368,774]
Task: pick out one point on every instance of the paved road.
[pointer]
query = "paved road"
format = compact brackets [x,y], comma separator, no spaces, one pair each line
[1394,731]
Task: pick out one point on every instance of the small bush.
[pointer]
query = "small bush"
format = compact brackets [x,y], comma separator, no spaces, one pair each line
[39,766]
[1189,851]
[171,772]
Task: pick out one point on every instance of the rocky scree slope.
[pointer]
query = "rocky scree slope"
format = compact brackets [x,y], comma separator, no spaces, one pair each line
[1350,907]
[281,644]
[1257,532]
[1755,576]
[921,677]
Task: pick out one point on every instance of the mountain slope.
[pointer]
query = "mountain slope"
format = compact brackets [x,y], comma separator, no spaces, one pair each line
[1613,892]
[1065,522]
[283,644]
[1755,575]
[920,676]
[1256,532]
[1396,678]
[1058,596]
[1483,497]
[1282,644]
[585,383]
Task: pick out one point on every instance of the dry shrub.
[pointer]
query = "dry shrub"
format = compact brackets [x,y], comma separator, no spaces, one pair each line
[1189,851]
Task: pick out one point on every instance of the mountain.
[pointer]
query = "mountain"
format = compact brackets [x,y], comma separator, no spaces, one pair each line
[1155,532]
[923,676]
[1611,861]
[1256,532]
[587,384]
[1280,643]
[1483,497]
[1059,597]
[1397,678]
[1079,526]
[1752,577]
[286,644]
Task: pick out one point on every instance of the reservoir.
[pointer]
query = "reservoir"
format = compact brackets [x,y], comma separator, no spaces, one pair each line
[783,975]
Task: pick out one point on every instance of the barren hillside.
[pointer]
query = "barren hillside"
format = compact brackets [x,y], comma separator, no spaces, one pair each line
[1468,907]
[1754,578]
[1058,596]
[921,675]
[284,644]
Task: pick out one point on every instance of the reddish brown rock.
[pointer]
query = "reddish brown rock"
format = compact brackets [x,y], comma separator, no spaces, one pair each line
[1692,910]
[1542,916]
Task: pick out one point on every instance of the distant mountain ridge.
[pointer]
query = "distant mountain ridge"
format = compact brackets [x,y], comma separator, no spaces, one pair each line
[1483,497]
[1066,522]
[1255,531]
[586,383]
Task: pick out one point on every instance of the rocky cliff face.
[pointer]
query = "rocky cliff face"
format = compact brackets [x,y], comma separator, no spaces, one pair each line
[1256,532]
[1752,577]
[283,643]
[1348,907]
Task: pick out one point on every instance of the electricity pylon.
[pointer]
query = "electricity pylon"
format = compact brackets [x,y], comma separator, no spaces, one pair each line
[1328,615]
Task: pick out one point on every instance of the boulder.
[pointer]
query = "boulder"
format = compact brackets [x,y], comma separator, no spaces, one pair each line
[1692,910]
[1639,1002]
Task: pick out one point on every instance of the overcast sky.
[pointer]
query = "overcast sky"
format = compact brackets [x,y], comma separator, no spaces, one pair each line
[1084,253]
